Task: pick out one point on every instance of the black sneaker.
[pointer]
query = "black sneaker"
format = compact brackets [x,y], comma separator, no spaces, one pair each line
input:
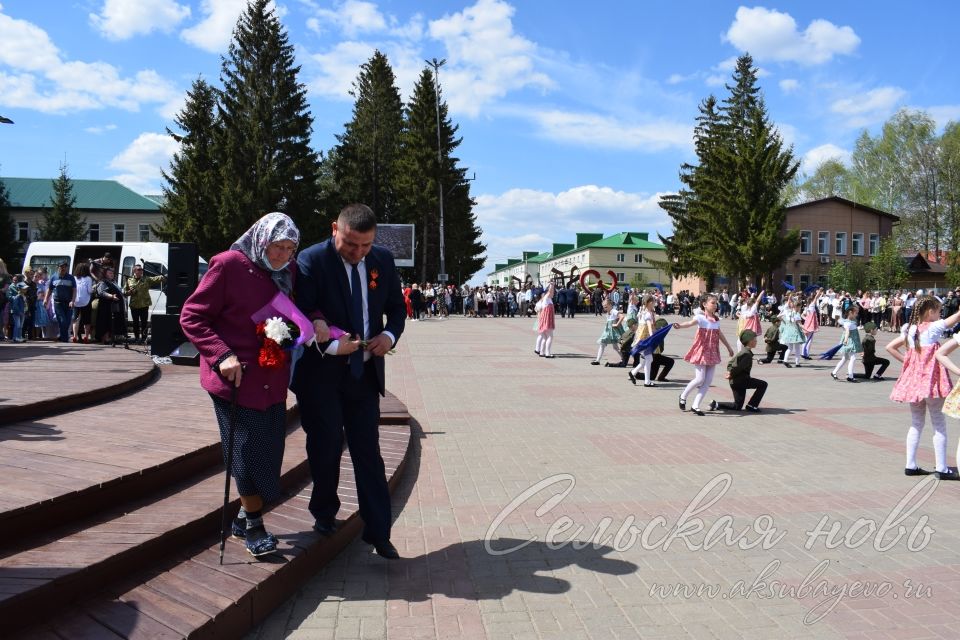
[753,409]
[713,405]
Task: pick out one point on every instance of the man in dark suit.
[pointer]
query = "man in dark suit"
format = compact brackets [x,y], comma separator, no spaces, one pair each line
[348,283]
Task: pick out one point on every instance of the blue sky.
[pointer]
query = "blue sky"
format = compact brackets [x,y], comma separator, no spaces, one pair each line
[574,118]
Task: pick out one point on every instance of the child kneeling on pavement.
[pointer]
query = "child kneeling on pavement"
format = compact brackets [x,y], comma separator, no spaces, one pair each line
[738,373]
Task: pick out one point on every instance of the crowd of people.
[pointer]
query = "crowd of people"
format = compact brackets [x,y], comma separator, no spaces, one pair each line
[86,306]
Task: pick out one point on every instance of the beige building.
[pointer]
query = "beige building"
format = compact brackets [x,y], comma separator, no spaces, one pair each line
[113,212]
[629,255]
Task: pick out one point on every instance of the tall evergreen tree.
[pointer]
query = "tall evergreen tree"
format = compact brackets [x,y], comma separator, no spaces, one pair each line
[365,160]
[62,221]
[9,247]
[730,217]
[267,162]
[423,173]
[190,210]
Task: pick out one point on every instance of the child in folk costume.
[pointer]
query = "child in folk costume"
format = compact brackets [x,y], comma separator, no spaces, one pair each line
[811,323]
[849,344]
[870,359]
[749,314]
[612,329]
[951,405]
[738,373]
[546,323]
[704,355]
[645,329]
[626,343]
[923,381]
[791,333]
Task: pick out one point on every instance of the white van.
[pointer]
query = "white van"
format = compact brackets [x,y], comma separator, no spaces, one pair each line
[152,255]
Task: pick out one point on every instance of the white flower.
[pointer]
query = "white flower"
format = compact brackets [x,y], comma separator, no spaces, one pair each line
[277,330]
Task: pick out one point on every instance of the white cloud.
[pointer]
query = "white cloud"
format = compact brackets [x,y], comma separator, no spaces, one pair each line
[123,19]
[677,78]
[531,220]
[789,85]
[816,156]
[716,80]
[101,129]
[771,35]
[869,107]
[351,17]
[942,114]
[143,159]
[608,132]
[214,32]
[38,77]
[486,59]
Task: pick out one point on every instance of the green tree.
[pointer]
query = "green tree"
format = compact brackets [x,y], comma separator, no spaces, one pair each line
[423,173]
[830,178]
[9,247]
[62,221]
[192,197]
[366,156]
[730,218]
[886,269]
[265,126]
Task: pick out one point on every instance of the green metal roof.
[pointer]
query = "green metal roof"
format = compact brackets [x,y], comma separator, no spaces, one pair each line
[100,195]
[541,257]
[623,240]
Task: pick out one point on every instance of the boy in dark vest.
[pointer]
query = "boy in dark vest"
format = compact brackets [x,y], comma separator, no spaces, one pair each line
[738,373]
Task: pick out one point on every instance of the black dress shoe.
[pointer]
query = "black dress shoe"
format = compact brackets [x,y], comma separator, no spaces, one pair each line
[946,475]
[698,412]
[595,362]
[633,378]
[916,472]
[325,527]
[683,404]
[384,549]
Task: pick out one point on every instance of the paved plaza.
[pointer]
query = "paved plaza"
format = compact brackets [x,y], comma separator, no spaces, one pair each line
[645,522]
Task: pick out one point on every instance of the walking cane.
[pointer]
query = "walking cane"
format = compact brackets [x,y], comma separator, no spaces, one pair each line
[226,485]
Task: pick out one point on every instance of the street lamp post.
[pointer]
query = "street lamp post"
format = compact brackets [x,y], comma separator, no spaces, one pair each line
[442,276]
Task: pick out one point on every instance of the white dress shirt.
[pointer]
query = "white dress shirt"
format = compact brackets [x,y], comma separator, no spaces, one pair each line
[362,268]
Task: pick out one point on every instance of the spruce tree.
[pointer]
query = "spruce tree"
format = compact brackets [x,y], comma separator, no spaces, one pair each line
[423,173]
[9,247]
[730,217]
[267,163]
[365,160]
[191,201]
[62,221]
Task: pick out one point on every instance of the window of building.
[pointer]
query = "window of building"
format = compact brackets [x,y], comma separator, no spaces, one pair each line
[93,232]
[144,233]
[23,232]
[621,277]
[804,281]
[806,240]
[822,280]
[840,243]
[874,243]
[856,244]
[823,243]
[620,257]
[638,257]
[788,278]
[119,230]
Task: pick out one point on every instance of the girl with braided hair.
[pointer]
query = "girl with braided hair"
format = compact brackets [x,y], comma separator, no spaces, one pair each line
[923,381]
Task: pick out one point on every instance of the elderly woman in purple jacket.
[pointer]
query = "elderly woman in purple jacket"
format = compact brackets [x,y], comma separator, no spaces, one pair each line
[217,320]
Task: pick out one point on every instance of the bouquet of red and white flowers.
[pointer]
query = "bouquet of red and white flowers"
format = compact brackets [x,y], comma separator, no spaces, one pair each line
[277,335]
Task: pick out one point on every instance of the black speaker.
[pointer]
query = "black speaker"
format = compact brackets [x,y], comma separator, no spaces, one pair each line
[182,273]
[166,334]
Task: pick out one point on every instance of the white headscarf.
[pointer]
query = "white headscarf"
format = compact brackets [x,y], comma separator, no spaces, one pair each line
[272,227]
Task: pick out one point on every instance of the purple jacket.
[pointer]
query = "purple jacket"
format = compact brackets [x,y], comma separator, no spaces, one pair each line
[216,319]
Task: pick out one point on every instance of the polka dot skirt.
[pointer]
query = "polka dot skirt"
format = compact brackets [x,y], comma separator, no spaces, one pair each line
[258,441]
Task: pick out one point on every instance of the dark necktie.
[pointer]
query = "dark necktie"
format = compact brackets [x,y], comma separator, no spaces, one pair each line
[356,303]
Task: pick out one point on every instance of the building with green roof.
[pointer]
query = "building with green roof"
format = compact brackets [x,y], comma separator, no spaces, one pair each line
[114,213]
[629,255]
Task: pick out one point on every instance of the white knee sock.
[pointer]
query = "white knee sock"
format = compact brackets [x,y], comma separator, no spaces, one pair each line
[917,411]
[548,344]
